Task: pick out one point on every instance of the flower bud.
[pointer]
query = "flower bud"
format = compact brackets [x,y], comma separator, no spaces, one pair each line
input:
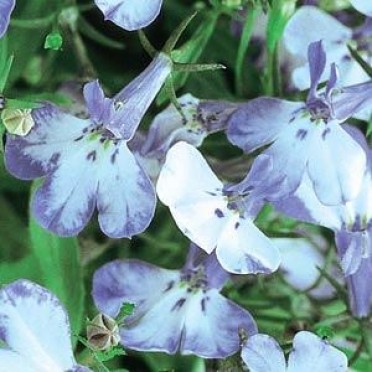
[103,332]
[17,121]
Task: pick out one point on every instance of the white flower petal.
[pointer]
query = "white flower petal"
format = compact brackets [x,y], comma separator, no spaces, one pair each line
[212,326]
[262,353]
[126,197]
[152,332]
[336,165]
[300,260]
[193,193]
[128,14]
[36,327]
[310,353]
[243,249]
[66,201]
[300,31]
[11,361]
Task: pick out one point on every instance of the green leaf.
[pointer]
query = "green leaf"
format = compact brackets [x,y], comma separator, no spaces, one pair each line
[191,51]
[60,270]
[53,41]
[126,310]
[279,15]
[5,71]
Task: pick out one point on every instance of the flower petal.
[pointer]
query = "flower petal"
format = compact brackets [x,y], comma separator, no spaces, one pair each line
[45,146]
[311,353]
[11,361]
[300,260]
[359,289]
[262,353]
[305,206]
[65,202]
[259,122]
[129,15]
[243,249]
[25,310]
[290,154]
[213,325]
[169,127]
[132,102]
[99,107]
[126,197]
[337,156]
[300,32]
[193,193]
[6,9]
[131,281]
[160,328]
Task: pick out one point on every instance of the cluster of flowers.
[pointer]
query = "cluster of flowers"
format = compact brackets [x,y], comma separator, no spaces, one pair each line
[312,169]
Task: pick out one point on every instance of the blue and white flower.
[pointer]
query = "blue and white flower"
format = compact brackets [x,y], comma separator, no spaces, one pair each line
[175,310]
[87,162]
[306,138]
[214,215]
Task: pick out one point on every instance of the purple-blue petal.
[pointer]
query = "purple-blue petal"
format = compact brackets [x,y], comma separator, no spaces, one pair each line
[259,122]
[132,102]
[6,9]
[317,62]
[40,152]
[358,285]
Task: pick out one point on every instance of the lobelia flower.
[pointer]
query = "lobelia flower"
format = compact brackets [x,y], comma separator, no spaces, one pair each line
[175,310]
[87,162]
[200,118]
[352,224]
[306,138]
[128,14]
[214,215]
[35,330]
[300,32]
[262,353]
[6,9]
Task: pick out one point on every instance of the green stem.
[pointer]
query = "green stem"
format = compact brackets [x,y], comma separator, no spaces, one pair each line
[34,23]
[243,47]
